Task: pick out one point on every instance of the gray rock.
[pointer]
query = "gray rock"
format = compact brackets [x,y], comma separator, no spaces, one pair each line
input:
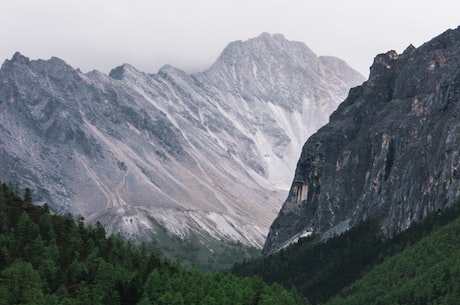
[390,150]
[211,152]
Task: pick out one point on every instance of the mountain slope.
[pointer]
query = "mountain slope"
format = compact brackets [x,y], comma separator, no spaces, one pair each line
[208,154]
[321,269]
[390,150]
[427,272]
[50,259]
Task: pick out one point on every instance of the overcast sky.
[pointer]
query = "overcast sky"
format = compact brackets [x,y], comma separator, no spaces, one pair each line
[190,34]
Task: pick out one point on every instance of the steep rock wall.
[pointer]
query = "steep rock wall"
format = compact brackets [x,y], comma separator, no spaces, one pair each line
[390,150]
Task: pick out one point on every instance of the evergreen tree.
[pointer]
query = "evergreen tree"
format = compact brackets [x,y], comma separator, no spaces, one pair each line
[28,195]
[57,260]
[21,284]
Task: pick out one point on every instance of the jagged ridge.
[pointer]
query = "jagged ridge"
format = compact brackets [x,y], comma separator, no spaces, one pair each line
[210,153]
[390,150]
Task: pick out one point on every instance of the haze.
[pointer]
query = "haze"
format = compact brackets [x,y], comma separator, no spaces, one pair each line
[190,35]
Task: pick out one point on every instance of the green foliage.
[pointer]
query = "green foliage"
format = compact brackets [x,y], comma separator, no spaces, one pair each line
[201,251]
[56,260]
[427,272]
[49,259]
[320,269]
[21,284]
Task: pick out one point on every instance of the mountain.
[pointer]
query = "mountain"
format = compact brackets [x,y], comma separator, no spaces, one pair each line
[209,154]
[335,268]
[389,152]
[426,272]
[52,259]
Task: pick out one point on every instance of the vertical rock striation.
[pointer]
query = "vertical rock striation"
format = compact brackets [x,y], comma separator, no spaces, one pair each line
[210,153]
[390,150]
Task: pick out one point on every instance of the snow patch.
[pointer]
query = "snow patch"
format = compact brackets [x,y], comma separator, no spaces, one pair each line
[294,239]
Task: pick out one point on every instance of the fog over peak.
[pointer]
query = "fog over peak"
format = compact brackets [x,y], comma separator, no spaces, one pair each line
[190,35]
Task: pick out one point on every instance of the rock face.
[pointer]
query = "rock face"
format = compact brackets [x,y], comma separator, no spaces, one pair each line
[390,150]
[210,153]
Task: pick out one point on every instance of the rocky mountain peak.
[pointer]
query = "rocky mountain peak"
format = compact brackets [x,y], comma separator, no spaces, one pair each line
[409,50]
[125,71]
[208,154]
[270,37]
[171,72]
[390,150]
[17,60]
[247,66]
[18,57]
[446,40]
[270,48]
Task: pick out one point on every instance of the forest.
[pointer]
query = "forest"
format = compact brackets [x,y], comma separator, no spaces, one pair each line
[426,272]
[58,260]
[324,269]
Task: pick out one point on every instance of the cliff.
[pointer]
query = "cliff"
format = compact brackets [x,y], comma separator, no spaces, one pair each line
[390,151]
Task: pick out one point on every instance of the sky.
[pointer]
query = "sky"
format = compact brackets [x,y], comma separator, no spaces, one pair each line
[190,34]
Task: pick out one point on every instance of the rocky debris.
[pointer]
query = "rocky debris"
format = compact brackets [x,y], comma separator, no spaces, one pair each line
[208,152]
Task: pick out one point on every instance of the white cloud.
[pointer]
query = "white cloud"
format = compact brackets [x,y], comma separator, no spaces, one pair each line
[101,34]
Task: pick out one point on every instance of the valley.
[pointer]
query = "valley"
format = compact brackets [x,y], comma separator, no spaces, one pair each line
[185,165]
[208,155]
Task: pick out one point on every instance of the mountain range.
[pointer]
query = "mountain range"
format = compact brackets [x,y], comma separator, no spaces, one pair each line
[209,154]
[371,217]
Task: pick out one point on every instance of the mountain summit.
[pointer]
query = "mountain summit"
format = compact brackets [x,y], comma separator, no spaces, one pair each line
[390,150]
[209,154]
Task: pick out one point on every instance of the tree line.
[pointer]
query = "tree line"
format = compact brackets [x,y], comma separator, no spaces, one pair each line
[320,269]
[58,260]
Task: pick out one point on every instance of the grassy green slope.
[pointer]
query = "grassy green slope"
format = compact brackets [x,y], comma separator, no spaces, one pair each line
[427,272]
[201,251]
[321,269]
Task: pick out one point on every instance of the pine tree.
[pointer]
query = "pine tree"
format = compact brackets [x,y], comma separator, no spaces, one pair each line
[28,195]
[21,284]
